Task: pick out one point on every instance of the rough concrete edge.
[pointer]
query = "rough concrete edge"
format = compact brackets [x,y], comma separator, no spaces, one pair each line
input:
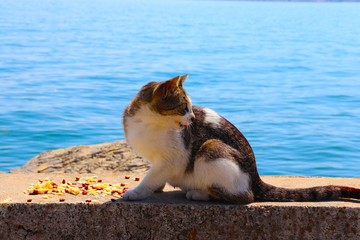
[138,220]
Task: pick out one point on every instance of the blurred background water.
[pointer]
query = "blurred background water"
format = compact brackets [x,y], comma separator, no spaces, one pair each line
[286,74]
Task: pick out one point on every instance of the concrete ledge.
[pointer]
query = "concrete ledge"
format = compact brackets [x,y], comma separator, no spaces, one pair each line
[169,215]
[176,221]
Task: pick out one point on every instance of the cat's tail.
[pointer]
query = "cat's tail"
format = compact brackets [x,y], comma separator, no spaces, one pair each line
[267,192]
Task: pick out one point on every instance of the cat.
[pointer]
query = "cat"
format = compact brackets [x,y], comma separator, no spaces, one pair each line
[199,151]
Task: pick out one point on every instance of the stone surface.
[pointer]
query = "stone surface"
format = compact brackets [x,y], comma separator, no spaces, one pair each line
[12,185]
[113,157]
[169,215]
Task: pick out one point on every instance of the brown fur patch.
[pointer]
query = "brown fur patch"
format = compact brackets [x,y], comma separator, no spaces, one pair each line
[220,193]
[214,149]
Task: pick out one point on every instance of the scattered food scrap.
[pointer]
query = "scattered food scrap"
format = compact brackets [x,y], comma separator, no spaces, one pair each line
[6,201]
[81,185]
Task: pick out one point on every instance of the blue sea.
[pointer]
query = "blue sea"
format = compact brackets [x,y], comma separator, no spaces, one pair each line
[286,74]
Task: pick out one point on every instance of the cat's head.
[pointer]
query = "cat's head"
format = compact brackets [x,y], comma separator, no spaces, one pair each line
[169,101]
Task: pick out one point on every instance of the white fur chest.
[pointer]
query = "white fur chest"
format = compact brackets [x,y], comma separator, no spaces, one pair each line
[154,140]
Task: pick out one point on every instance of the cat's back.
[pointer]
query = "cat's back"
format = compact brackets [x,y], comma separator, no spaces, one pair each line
[211,125]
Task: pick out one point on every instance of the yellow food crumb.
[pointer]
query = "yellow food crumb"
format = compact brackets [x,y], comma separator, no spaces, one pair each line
[117,195]
[74,190]
[6,201]
[57,193]
[42,191]
[91,179]
[92,192]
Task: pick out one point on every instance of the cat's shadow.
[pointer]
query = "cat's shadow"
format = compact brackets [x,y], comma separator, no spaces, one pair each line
[173,197]
[179,197]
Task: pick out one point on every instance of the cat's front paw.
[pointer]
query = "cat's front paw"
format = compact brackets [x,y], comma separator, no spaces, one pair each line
[133,195]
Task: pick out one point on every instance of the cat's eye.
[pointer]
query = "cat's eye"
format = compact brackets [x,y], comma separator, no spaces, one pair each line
[184,106]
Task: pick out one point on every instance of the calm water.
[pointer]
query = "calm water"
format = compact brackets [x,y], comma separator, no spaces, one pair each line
[286,74]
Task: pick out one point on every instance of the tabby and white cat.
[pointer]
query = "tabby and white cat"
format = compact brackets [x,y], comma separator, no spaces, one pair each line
[196,149]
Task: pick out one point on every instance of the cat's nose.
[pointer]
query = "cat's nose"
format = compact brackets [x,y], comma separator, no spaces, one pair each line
[192,119]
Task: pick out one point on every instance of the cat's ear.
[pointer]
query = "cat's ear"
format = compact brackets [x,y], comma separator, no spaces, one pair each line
[182,80]
[169,86]
[146,92]
[174,83]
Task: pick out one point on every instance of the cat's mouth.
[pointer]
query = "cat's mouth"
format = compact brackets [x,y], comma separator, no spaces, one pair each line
[181,125]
